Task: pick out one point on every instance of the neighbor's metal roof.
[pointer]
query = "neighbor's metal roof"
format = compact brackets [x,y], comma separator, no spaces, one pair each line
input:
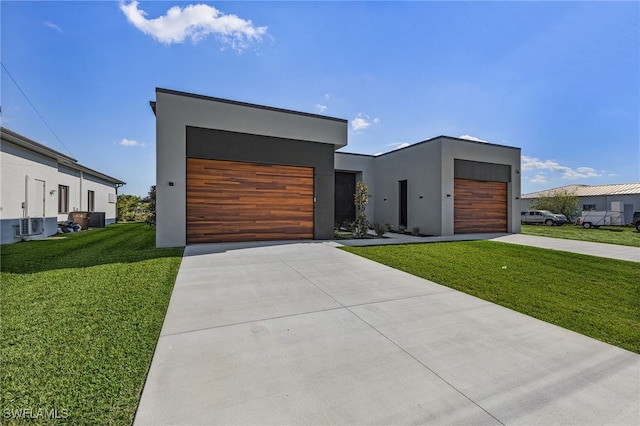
[591,190]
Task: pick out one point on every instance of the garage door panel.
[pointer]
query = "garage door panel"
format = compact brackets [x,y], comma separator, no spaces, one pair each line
[241,233]
[479,206]
[233,201]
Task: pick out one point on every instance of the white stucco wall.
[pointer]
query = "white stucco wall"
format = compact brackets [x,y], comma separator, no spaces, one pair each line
[21,168]
[80,183]
[175,111]
[15,164]
[101,203]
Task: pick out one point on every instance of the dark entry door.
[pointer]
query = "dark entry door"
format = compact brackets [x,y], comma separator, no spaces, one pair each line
[403,203]
[345,188]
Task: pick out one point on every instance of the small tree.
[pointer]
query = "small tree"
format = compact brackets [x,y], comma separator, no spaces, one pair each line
[361,224]
[127,205]
[558,201]
[151,218]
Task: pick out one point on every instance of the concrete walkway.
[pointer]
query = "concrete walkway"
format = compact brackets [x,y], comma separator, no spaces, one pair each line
[611,251]
[304,333]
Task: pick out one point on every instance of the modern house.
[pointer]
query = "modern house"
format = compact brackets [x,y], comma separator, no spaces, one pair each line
[233,171]
[623,196]
[442,186]
[41,186]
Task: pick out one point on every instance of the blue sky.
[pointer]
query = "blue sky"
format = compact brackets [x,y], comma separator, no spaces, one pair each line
[561,80]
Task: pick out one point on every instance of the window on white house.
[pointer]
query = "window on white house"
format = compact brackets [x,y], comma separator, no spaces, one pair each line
[91,201]
[63,199]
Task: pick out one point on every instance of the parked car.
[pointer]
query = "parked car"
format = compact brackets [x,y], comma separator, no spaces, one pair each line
[542,217]
[636,220]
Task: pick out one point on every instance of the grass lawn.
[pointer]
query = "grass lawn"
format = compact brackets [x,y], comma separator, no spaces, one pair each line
[594,296]
[622,235]
[80,320]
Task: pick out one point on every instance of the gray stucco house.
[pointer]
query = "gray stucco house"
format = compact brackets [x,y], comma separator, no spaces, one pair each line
[233,171]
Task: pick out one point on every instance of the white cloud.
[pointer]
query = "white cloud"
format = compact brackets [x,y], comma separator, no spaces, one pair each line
[362,121]
[131,142]
[567,173]
[399,145]
[321,108]
[359,123]
[194,22]
[52,26]
[471,138]
[580,173]
[539,179]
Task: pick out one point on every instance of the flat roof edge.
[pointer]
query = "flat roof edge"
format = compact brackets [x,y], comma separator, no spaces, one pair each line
[448,137]
[356,153]
[246,104]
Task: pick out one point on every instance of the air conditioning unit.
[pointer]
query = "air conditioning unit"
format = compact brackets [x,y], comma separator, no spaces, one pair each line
[30,226]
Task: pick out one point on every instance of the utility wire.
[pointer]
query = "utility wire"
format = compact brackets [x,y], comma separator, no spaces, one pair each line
[34,108]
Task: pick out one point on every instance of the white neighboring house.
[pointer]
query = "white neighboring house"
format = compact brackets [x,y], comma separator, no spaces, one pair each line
[40,187]
[623,198]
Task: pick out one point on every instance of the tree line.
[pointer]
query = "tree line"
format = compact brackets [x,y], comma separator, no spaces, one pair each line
[132,208]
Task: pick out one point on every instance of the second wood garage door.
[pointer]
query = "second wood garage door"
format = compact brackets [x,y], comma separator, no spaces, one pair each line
[234,201]
[479,206]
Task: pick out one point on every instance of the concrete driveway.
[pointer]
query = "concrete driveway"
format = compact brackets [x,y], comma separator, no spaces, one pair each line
[304,333]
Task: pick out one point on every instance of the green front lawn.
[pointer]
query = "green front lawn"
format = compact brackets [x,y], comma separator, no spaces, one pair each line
[80,320]
[594,296]
[622,235]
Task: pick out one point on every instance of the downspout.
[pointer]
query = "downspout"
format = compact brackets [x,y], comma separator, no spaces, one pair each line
[80,203]
[25,205]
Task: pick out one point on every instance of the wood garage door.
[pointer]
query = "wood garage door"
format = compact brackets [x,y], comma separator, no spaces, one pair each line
[479,206]
[233,201]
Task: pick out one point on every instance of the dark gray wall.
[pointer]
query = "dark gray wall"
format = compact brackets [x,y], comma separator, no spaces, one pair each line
[476,170]
[232,146]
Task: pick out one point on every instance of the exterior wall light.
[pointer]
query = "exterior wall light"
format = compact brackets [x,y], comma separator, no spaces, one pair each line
[170,183]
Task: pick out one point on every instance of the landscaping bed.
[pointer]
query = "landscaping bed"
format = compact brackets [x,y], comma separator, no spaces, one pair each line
[81,317]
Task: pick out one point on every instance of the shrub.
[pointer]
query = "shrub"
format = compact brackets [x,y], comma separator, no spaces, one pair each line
[380,229]
[415,231]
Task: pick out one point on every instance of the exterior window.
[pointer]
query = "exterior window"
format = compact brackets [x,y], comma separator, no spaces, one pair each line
[63,199]
[588,207]
[91,201]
